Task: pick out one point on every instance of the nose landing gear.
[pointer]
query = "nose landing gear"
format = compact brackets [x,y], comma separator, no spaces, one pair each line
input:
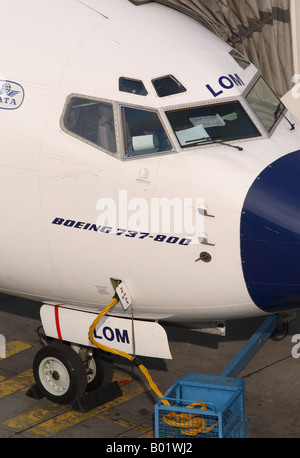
[62,375]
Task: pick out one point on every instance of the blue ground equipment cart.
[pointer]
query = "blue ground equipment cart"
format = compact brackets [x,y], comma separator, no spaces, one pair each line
[204,406]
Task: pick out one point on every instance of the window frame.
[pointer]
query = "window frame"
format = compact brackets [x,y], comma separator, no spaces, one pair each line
[133,80]
[162,120]
[241,60]
[241,99]
[153,81]
[84,140]
[250,87]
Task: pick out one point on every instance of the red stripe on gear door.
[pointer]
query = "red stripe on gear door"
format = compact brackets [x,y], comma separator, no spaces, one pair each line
[57,322]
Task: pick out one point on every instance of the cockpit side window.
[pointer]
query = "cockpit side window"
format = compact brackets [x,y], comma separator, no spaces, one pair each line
[143,132]
[132,86]
[167,85]
[92,121]
[241,60]
[265,103]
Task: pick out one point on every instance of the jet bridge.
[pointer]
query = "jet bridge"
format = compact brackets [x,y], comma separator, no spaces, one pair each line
[261,30]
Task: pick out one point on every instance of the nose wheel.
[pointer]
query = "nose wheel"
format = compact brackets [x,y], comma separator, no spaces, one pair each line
[59,373]
[62,375]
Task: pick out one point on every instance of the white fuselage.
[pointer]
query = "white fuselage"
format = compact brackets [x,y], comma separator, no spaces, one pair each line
[58,49]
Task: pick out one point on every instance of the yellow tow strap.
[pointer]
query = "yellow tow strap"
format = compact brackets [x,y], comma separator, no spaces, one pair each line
[189,424]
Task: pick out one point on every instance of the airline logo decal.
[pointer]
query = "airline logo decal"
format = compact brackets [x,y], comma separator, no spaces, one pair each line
[11,95]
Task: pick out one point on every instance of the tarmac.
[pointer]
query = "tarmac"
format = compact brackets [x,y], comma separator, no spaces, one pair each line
[272,382]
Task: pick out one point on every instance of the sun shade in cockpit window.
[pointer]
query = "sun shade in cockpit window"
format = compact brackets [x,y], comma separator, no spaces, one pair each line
[167,85]
[143,132]
[92,121]
[132,86]
[211,124]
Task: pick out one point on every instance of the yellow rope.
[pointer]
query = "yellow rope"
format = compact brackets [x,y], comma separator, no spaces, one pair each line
[118,352]
[182,420]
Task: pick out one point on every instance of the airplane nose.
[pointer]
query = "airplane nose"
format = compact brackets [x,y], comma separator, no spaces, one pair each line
[270,236]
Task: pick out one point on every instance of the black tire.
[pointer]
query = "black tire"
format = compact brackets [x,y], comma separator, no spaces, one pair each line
[103,369]
[280,333]
[59,373]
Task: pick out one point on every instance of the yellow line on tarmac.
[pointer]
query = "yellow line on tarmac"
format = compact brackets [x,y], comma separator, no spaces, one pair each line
[12,348]
[33,416]
[15,346]
[71,418]
[58,423]
[19,382]
[148,435]
[146,430]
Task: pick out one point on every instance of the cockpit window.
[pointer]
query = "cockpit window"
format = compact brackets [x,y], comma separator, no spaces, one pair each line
[265,103]
[211,124]
[132,86]
[143,132]
[92,121]
[167,85]
[241,60]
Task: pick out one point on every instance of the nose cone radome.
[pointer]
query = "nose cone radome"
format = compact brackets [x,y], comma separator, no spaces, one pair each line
[270,236]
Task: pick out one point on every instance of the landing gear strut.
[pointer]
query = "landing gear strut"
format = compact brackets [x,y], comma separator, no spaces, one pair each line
[99,370]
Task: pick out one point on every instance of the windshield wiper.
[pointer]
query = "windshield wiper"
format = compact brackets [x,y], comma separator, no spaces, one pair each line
[213,140]
[279,111]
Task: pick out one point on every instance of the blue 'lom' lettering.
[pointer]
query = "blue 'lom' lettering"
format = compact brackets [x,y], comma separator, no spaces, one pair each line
[122,337]
[111,335]
[226,82]
[108,333]
[237,80]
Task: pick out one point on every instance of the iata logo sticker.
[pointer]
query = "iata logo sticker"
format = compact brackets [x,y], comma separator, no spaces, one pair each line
[11,95]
